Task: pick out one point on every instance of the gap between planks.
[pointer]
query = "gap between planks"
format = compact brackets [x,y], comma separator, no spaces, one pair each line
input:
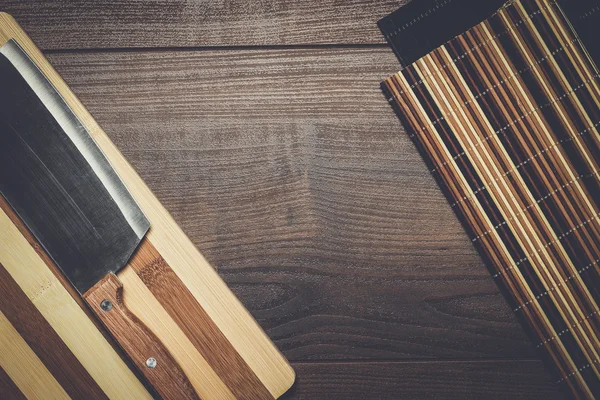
[342,361]
[349,46]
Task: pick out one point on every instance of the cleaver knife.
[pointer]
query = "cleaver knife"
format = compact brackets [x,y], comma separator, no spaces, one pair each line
[64,189]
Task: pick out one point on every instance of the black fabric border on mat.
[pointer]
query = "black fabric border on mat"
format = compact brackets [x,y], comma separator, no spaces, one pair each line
[421,26]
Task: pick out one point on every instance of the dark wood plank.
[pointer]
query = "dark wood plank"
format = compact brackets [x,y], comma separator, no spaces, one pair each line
[183,23]
[424,380]
[294,177]
[8,389]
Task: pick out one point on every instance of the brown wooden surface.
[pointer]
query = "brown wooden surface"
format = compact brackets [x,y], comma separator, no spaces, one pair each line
[296,181]
[413,380]
[189,23]
[293,176]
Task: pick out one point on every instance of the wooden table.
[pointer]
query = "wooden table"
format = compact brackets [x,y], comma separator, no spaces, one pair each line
[260,125]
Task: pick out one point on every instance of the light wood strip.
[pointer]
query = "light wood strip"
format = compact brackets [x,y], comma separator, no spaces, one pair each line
[224,309]
[581,63]
[552,93]
[444,164]
[450,162]
[487,148]
[24,368]
[485,152]
[64,315]
[584,327]
[553,276]
[502,194]
[514,113]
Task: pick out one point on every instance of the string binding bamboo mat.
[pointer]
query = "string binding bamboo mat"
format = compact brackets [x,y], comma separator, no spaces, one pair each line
[507,115]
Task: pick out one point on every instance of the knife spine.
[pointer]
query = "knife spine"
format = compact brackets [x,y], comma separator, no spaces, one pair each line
[70,123]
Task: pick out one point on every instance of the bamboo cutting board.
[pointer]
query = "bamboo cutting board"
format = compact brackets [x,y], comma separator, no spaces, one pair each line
[49,346]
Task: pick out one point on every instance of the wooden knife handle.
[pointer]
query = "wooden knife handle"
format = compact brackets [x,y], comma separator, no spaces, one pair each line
[145,349]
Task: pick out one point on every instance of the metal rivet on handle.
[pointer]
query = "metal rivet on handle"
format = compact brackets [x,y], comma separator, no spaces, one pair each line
[106,305]
[151,362]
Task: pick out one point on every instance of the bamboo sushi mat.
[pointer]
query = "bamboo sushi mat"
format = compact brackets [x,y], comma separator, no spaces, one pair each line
[507,114]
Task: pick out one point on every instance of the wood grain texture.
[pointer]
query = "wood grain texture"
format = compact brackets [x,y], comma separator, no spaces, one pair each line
[146,307]
[460,380]
[8,389]
[140,302]
[23,366]
[184,23]
[291,173]
[138,341]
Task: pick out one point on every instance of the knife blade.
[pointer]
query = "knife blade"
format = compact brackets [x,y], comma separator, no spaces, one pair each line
[64,190]
[57,179]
